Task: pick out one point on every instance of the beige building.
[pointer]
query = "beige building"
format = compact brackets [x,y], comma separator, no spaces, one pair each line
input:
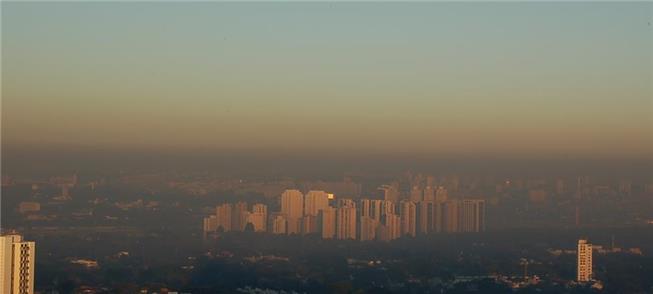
[327,222]
[346,223]
[365,207]
[388,207]
[309,224]
[257,220]
[223,215]
[584,261]
[16,265]
[279,224]
[292,207]
[408,218]
[258,217]
[292,203]
[314,201]
[428,215]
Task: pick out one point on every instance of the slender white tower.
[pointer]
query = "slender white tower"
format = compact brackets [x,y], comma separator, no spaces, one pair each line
[584,262]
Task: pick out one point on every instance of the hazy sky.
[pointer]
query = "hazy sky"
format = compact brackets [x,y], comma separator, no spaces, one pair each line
[428,78]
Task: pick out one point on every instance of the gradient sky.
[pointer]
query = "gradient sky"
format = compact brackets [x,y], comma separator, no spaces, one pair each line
[427,78]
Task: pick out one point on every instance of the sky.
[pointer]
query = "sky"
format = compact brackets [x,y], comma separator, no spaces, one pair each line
[572,79]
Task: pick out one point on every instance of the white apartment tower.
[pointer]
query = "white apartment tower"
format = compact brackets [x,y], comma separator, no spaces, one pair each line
[16,265]
[584,262]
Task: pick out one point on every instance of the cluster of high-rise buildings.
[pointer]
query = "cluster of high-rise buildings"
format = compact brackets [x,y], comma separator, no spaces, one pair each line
[317,212]
[16,265]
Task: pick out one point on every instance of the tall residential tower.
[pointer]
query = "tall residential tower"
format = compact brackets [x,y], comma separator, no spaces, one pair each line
[16,265]
[584,262]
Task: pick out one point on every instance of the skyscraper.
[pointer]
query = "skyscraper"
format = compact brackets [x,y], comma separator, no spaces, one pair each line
[327,222]
[292,206]
[472,215]
[239,216]
[450,216]
[16,265]
[584,261]
[365,207]
[408,218]
[376,209]
[309,224]
[388,207]
[346,223]
[260,208]
[258,217]
[278,224]
[426,217]
[223,213]
[314,201]
[292,203]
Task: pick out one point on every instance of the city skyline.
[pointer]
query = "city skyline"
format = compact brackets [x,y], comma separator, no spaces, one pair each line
[326,147]
[522,79]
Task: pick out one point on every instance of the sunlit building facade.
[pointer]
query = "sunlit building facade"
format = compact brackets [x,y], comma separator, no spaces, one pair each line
[584,261]
[314,201]
[346,223]
[327,222]
[16,265]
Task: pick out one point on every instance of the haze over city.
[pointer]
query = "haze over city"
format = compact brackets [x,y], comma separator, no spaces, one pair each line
[326,147]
